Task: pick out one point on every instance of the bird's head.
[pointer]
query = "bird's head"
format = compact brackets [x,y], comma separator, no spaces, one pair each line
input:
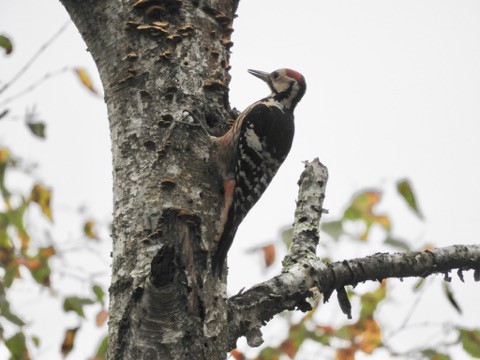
[288,86]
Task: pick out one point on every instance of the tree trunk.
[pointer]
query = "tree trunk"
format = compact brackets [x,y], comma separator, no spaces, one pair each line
[161,62]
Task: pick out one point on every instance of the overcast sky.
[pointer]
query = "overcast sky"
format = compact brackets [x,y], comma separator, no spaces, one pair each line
[393,91]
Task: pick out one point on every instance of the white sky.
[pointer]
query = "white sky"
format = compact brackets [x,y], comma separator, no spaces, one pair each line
[393,91]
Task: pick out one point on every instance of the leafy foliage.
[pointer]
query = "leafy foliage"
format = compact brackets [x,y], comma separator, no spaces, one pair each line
[37,129]
[26,254]
[471,341]
[365,334]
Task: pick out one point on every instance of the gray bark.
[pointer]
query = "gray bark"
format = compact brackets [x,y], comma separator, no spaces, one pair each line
[164,304]
[159,60]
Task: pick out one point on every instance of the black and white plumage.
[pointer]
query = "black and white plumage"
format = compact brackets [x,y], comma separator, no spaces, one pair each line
[249,155]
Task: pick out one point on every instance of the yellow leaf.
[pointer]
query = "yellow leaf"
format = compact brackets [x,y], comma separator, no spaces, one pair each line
[85,79]
[47,251]
[89,230]
[4,155]
[41,195]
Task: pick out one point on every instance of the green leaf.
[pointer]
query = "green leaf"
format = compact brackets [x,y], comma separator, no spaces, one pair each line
[371,300]
[99,293]
[451,299]
[361,209]
[6,43]
[42,196]
[433,355]
[418,285]
[102,349]
[400,244]
[269,353]
[89,229]
[16,346]
[38,265]
[471,341]
[4,160]
[36,341]
[333,228]
[37,129]
[7,314]
[405,189]
[42,274]
[11,273]
[16,219]
[75,304]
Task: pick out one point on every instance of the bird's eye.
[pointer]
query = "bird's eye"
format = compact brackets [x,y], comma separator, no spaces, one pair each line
[275,75]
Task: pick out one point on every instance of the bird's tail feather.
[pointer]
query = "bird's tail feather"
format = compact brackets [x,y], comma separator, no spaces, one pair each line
[224,242]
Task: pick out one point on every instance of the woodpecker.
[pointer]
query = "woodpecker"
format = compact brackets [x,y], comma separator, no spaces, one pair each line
[249,154]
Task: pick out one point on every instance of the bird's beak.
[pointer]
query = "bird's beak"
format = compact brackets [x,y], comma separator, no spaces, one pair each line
[260,74]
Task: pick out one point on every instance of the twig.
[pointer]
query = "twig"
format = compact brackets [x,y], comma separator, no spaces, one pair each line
[35,56]
[408,317]
[32,87]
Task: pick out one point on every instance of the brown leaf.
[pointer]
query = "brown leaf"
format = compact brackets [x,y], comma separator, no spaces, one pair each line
[237,355]
[325,329]
[371,336]
[101,317]
[345,354]
[32,263]
[47,251]
[269,254]
[68,341]
[288,347]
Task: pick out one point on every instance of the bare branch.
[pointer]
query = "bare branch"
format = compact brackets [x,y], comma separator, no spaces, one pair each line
[304,271]
[306,227]
[288,291]
[400,265]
